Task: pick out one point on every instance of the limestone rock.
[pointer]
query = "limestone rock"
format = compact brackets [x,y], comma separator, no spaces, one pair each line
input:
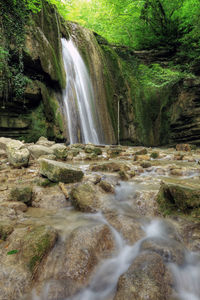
[109,167]
[183,147]
[43,141]
[170,250]
[147,278]
[60,151]
[59,171]
[141,152]
[17,206]
[84,249]
[84,198]
[48,197]
[39,150]
[92,149]
[18,155]
[3,142]
[22,194]
[171,197]
[106,186]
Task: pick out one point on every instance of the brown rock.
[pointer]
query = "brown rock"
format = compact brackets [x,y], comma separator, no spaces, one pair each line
[147,278]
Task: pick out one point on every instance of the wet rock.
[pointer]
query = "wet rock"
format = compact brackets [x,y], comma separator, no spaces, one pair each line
[147,278]
[32,244]
[109,167]
[114,152]
[17,206]
[155,155]
[176,172]
[127,226]
[172,197]
[79,255]
[91,149]
[170,250]
[183,147]
[60,151]
[145,164]
[123,175]
[43,141]
[141,157]
[59,171]
[22,194]
[18,155]
[40,150]
[6,228]
[106,186]
[141,152]
[49,198]
[84,197]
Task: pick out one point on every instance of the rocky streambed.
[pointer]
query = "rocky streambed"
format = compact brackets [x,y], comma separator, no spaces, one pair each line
[85,222]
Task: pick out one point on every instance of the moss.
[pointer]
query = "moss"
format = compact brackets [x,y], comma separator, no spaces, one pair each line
[154,155]
[23,194]
[5,230]
[175,198]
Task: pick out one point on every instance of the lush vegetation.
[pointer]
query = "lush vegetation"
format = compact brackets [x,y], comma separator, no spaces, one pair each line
[140,24]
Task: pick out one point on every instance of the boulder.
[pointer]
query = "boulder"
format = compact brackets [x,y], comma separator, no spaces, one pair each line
[17,206]
[172,197]
[114,152]
[18,155]
[32,244]
[3,142]
[60,151]
[49,197]
[106,186]
[170,250]
[83,250]
[39,150]
[43,141]
[84,198]
[59,171]
[109,167]
[92,149]
[141,152]
[147,278]
[22,194]
[183,147]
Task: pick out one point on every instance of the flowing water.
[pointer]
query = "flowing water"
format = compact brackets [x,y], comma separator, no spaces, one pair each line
[104,280]
[79,101]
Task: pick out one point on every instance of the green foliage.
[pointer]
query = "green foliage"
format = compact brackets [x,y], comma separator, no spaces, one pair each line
[12,252]
[139,24]
[156,76]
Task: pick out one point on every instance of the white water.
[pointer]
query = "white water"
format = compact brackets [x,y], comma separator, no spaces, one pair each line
[104,279]
[79,101]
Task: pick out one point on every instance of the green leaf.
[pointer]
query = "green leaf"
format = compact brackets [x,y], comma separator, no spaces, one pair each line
[12,252]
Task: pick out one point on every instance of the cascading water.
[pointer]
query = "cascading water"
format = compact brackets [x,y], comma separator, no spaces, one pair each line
[79,101]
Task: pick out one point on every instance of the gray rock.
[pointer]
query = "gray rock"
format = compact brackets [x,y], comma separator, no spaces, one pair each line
[59,171]
[18,155]
[39,150]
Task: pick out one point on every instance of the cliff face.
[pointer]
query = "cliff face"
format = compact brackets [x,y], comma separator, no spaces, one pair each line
[158,104]
[29,97]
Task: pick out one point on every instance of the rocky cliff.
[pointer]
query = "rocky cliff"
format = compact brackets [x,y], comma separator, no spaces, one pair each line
[158,101]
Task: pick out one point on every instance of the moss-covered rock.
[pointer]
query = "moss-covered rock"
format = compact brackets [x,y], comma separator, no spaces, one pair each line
[5,229]
[18,155]
[59,171]
[84,198]
[109,167]
[23,194]
[60,151]
[176,198]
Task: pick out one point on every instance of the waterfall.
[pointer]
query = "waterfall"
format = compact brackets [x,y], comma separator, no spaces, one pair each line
[79,101]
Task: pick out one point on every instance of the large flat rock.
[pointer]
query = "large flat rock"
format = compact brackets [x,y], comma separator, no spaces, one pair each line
[59,171]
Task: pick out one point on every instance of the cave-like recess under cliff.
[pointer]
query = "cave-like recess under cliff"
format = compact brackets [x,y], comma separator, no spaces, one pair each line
[153,110]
